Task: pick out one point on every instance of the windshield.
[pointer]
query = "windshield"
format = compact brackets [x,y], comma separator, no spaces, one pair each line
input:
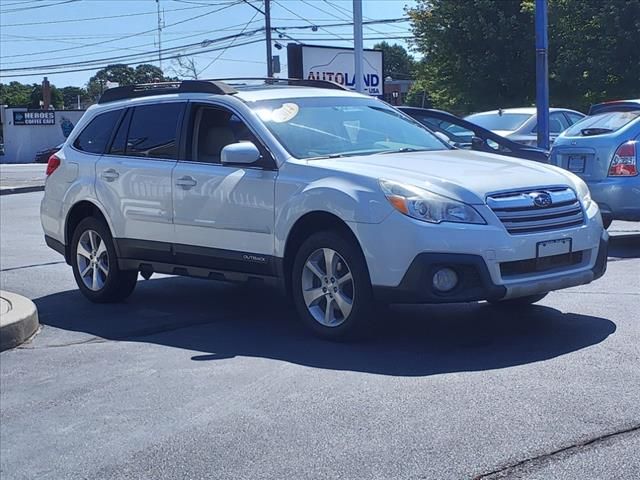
[495,121]
[603,123]
[336,127]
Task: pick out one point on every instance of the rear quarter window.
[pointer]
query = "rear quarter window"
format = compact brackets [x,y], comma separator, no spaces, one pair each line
[96,135]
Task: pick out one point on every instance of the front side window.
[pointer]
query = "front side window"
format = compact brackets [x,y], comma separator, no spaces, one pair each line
[96,135]
[214,129]
[153,131]
[495,121]
[335,127]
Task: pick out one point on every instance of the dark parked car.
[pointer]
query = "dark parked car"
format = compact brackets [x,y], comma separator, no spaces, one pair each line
[42,156]
[468,135]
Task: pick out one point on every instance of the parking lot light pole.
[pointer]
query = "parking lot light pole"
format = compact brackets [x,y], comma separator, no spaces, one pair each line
[542,74]
[358,41]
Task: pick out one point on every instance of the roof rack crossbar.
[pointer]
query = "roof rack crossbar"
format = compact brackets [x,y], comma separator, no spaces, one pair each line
[302,82]
[181,86]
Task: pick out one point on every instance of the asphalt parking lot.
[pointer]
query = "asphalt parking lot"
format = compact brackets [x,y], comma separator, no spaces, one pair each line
[195,379]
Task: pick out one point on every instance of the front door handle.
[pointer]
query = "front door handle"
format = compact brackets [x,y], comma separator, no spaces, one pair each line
[186,182]
[110,175]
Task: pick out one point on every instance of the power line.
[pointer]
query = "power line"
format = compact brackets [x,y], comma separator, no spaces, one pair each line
[131,57]
[127,64]
[125,36]
[231,44]
[22,9]
[73,20]
[316,26]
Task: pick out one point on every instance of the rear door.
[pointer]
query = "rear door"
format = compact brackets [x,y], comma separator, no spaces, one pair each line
[133,180]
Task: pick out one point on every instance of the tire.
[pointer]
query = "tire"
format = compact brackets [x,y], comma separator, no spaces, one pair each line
[103,281]
[519,301]
[345,288]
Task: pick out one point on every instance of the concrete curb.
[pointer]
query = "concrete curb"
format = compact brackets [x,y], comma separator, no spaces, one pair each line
[18,320]
[13,190]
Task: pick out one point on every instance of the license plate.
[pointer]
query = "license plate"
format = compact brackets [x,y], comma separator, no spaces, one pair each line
[576,163]
[553,247]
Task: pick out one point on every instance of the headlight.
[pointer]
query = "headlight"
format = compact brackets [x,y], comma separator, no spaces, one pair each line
[426,206]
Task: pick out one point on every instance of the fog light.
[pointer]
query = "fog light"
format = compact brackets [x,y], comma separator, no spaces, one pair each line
[445,279]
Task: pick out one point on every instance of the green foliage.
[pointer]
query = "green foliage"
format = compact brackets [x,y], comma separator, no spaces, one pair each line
[15,94]
[398,64]
[480,54]
[70,97]
[123,75]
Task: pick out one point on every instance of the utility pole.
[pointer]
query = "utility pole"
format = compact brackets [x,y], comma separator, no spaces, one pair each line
[542,74]
[267,28]
[159,35]
[357,37]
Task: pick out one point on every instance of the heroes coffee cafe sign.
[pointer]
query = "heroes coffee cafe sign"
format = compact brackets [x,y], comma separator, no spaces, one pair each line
[337,65]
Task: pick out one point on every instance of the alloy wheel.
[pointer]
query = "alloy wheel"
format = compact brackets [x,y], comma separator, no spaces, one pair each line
[93,260]
[327,287]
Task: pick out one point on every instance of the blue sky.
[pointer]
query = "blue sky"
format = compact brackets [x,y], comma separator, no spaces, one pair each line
[38,33]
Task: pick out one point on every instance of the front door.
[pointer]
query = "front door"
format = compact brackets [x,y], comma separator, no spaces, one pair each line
[223,214]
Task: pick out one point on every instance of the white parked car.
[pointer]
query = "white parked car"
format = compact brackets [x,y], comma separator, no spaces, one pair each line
[340,198]
[521,124]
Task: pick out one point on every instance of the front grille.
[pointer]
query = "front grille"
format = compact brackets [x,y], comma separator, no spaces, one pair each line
[542,264]
[519,213]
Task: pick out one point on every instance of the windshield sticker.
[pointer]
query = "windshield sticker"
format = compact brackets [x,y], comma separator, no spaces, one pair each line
[285,113]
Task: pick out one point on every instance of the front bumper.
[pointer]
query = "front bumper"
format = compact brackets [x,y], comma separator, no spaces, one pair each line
[475,281]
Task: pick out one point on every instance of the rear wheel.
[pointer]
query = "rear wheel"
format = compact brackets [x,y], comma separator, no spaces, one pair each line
[519,301]
[331,286]
[95,264]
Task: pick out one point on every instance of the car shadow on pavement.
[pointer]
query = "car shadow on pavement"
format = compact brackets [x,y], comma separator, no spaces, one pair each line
[218,320]
[624,246]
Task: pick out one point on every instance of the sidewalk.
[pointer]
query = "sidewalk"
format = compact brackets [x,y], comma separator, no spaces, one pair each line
[22,178]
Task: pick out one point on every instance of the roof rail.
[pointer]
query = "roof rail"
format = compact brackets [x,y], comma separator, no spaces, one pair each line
[302,82]
[180,86]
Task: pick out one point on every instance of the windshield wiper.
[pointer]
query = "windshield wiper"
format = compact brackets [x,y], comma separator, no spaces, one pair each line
[587,132]
[404,149]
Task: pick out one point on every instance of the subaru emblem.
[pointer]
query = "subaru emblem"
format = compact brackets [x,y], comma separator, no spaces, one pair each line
[541,199]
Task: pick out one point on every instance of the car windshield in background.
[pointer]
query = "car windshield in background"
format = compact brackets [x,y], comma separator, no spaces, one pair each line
[336,127]
[600,124]
[495,121]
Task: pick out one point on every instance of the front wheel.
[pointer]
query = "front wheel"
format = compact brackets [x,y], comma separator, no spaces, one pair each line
[519,301]
[95,264]
[331,287]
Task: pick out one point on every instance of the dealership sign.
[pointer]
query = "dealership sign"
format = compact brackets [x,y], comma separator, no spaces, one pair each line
[336,65]
[34,118]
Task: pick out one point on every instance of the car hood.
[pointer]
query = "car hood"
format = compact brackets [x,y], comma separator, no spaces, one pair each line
[462,175]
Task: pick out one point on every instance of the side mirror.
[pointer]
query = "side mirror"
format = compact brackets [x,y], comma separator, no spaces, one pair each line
[443,137]
[243,153]
[477,143]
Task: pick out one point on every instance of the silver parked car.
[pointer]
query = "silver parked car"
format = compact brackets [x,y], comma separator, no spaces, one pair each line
[604,150]
[520,124]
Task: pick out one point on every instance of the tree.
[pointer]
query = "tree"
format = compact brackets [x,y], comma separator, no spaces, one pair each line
[15,94]
[398,64]
[123,75]
[35,97]
[186,67]
[70,97]
[480,54]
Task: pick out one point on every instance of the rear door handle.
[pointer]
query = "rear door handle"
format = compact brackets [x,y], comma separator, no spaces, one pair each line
[110,175]
[186,182]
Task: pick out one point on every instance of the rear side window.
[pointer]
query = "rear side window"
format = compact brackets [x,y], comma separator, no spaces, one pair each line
[153,131]
[96,135]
